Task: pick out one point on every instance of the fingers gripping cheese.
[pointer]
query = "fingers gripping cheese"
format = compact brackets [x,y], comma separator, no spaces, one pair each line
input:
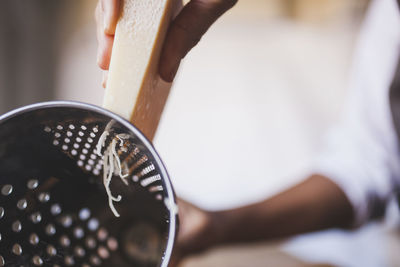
[135,90]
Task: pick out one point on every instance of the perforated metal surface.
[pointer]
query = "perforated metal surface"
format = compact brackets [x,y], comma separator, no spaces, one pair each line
[53,206]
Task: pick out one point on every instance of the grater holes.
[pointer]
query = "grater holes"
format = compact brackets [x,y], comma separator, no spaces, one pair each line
[79,252]
[90,242]
[146,170]
[65,241]
[6,190]
[84,214]
[73,140]
[147,181]
[34,239]
[22,204]
[138,163]
[134,151]
[51,250]
[32,184]
[105,245]
[103,252]
[50,229]
[16,226]
[44,197]
[78,232]
[95,260]
[55,209]
[69,261]
[66,221]
[16,249]
[112,244]
[80,141]
[97,170]
[147,176]
[102,234]
[37,261]
[36,217]
[93,224]
[156,188]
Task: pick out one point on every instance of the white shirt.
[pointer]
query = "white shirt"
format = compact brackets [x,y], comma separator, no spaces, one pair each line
[362,153]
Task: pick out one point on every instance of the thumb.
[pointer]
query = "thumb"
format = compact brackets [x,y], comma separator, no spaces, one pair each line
[186,31]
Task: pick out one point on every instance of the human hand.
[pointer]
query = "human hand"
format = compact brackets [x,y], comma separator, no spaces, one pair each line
[197,231]
[184,33]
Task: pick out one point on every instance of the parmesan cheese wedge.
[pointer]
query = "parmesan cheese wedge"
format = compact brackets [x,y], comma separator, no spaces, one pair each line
[135,90]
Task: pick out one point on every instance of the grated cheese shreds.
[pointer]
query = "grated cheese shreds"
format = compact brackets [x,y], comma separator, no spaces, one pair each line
[112,164]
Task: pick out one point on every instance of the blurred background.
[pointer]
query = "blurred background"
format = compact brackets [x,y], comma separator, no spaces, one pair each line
[245,118]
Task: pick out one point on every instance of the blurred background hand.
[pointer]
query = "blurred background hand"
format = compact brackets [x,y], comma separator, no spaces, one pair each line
[185,32]
[197,231]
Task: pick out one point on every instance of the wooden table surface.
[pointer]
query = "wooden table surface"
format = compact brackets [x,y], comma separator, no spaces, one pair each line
[255,255]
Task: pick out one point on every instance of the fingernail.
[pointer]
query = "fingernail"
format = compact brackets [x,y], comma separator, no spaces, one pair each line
[104,81]
[98,57]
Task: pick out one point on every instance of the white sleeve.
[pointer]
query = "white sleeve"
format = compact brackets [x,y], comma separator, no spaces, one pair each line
[361,154]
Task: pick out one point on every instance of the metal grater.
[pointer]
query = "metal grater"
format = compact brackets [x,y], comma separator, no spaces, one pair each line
[53,205]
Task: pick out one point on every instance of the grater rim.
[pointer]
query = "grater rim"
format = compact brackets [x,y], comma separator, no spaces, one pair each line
[172,233]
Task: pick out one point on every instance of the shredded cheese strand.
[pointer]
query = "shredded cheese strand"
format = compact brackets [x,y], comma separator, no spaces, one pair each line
[118,161]
[112,164]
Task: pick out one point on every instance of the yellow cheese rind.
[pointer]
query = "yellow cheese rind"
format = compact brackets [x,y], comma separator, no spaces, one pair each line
[135,90]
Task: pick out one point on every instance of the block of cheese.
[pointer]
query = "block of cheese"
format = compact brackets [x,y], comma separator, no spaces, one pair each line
[135,90]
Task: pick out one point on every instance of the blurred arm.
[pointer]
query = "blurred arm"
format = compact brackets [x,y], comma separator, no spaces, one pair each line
[315,204]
